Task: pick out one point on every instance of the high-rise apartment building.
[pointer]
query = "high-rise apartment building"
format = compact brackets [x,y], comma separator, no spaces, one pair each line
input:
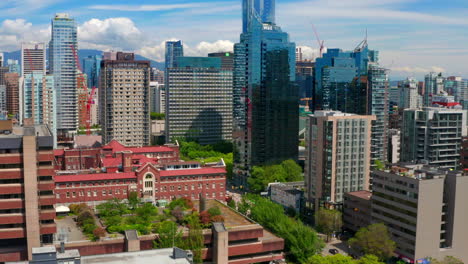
[409,96]
[199,100]
[33,58]
[174,49]
[305,80]
[433,85]
[424,209]
[158,97]
[27,189]
[63,66]
[3,101]
[92,68]
[227,59]
[433,135]
[39,101]
[394,145]
[337,156]
[353,82]
[457,87]
[12,93]
[265,94]
[124,100]
[14,66]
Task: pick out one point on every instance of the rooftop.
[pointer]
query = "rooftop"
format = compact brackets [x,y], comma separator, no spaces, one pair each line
[160,256]
[204,170]
[366,195]
[95,177]
[118,147]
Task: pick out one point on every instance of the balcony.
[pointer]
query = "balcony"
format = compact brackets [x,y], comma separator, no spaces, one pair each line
[11,218]
[45,171]
[45,156]
[11,203]
[13,173]
[13,158]
[47,214]
[8,233]
[47,200]
[46,185]
[48,228]
[12,188]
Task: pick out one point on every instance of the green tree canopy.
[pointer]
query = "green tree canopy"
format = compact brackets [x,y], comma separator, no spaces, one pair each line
[340,259]
[328,221]
[374,239]
[446,260]
[157,116]
[301,241]
[286,171]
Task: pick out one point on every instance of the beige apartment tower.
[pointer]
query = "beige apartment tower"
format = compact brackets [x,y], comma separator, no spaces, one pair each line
[124,100]
[337,156]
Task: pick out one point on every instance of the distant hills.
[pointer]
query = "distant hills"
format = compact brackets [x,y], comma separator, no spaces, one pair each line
[83,53]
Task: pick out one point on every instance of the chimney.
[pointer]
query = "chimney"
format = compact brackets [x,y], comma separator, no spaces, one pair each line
[127,161]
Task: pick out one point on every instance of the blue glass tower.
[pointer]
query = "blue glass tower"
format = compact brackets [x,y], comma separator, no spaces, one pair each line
[174,49]
[92,67]
[62,65]
[352,82]
[265,95]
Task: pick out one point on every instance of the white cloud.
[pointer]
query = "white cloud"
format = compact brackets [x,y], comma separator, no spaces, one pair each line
[203,48]
[416,69]
[134,8]
[13,32]
[117,32]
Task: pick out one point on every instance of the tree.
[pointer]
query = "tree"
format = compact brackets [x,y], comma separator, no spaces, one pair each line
[99,232]
[146,213]
[340,259]
[293,171]
[379,165]
[374,239]
[169,235]
[133,199]
[214,211]
[195,240]
[157,116]
[301,241]
[256,180]
[232,204]
[328,221]
[446,260]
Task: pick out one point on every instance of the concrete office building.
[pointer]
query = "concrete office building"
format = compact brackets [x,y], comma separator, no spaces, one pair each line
[227,59]
[394,145]
[27,190]
[424,209]
[199,100]
[433,135]
[63,66]
[124,100]
[337,156]
[33,58]
[356,210]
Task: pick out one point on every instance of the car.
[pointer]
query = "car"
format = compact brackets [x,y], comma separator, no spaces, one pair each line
[333,251]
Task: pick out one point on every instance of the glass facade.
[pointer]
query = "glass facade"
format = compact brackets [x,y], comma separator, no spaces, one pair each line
[174,49]
[92,68]
[62,65]
[40,99]
[266,112]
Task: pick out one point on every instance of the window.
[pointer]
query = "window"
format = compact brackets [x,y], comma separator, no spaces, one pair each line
[104,193]
[94,193]
[89,193]
[74,194]
[57,195]
[214,186]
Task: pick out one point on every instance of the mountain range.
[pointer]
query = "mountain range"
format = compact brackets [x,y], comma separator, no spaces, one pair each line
[83,53]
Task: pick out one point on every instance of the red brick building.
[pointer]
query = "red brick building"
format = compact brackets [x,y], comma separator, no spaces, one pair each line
[26,189]
[154,172]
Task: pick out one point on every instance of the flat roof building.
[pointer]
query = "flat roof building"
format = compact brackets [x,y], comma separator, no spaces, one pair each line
[27,190]
[425,210]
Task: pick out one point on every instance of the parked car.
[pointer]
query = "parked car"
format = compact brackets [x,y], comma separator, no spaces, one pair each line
[333,251]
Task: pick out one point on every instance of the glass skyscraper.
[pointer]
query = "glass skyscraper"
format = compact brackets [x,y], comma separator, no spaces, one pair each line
[352,82]
[265,95]
[63,66]
[174,49]
[92,67]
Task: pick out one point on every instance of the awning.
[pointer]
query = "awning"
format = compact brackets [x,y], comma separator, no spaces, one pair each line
[62,209]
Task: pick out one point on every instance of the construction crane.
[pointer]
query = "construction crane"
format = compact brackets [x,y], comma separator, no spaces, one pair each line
[321,43]
[83,99]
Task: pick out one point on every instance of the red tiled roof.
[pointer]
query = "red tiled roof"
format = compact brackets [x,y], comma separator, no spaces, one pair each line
[209,170]
[111,162]
[95,177]
[58,152]
[117,146]
[361,194]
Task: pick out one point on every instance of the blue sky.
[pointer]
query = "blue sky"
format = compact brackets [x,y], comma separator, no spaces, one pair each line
[413,36]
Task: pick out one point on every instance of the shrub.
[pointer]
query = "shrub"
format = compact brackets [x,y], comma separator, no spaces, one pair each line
[83,216]
[217,218]
[214,211]
[205,217]
[89,228]
[99,232]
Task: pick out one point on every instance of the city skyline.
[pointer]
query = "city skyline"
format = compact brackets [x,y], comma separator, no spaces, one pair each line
[413,38]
